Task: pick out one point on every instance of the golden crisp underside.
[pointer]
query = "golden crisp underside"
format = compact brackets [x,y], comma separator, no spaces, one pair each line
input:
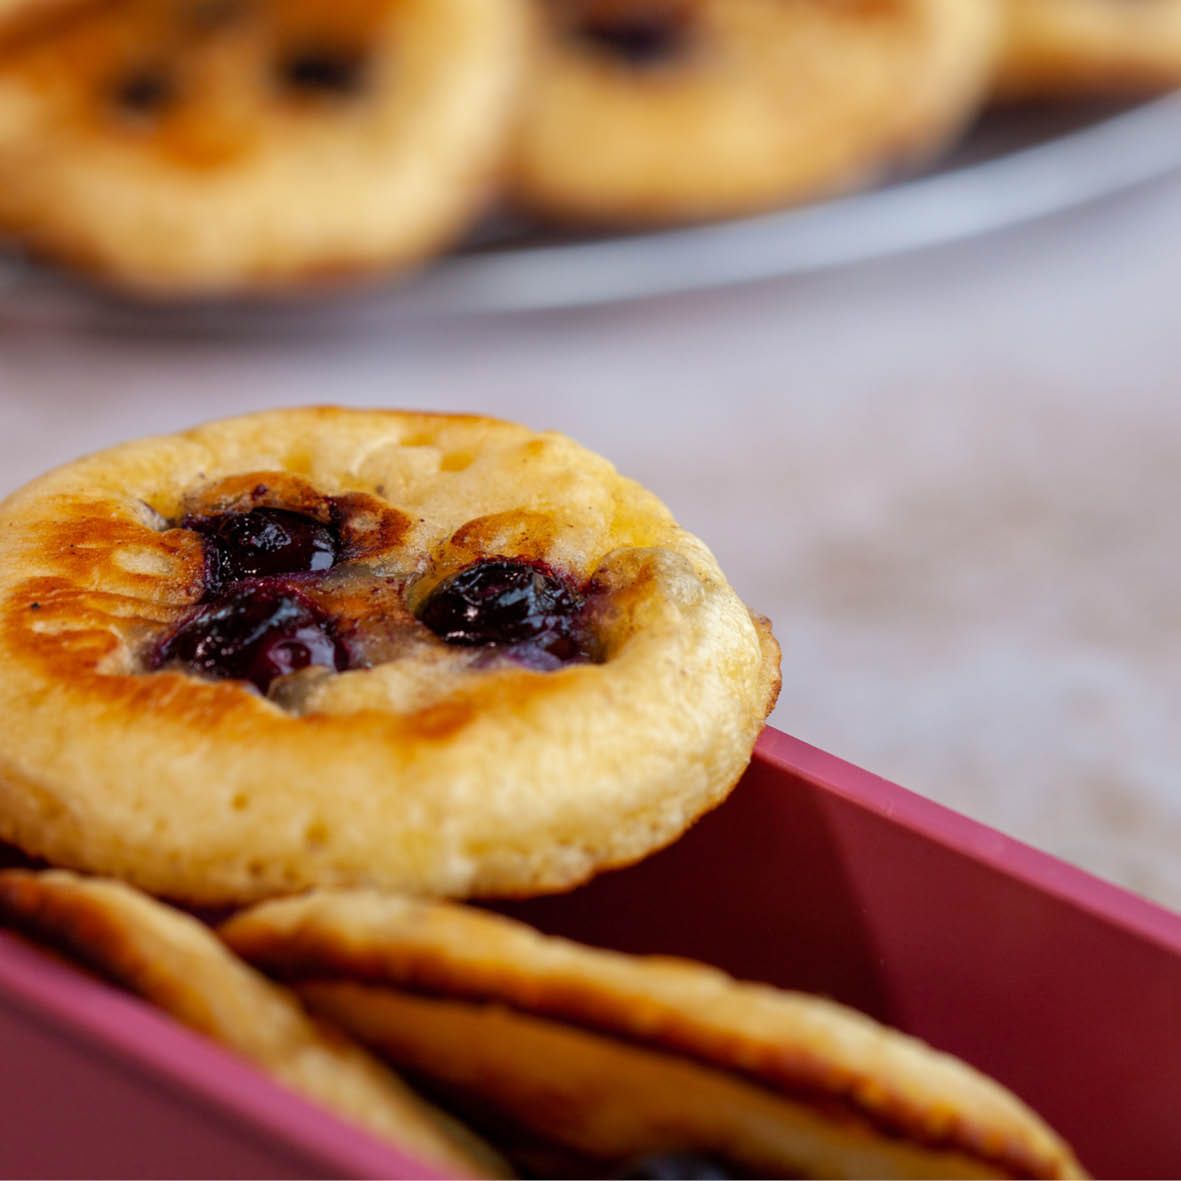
[613,1054]
[774,101]
[175,962]
[418,774]
[1067,48]
[236,179]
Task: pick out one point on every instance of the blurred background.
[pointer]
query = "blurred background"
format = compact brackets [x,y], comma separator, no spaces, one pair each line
[951,475]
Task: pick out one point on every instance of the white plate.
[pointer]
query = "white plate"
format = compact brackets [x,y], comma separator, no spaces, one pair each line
[1015,166]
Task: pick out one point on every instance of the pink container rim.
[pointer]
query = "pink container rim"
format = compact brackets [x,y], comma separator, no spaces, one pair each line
[132,1036]
[974,840]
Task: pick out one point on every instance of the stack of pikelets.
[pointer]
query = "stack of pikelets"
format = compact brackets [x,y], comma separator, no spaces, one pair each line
[204,147]
[571,1061]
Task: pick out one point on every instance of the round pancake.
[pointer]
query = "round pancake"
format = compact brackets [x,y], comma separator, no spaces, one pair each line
[426,765]
[211,146]
[1072,48]
[672,110]
[176,963]
[616,1055]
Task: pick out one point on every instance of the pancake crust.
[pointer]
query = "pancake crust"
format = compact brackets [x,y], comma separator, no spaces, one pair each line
[175,962]
[608,1101]
[211,146]
[795,1082]
[432,771]
[756,103]
[1073,48]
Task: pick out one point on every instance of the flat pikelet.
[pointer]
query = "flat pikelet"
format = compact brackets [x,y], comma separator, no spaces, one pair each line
[1076,48]
[321,647]
[172,960]
[196,147]
[649,111]
[615,1057]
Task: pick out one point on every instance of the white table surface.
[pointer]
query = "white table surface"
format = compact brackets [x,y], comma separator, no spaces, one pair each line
[952,479]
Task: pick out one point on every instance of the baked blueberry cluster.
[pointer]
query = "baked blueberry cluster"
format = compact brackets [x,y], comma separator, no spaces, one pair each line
[507,604]
[262,615]
[256,624]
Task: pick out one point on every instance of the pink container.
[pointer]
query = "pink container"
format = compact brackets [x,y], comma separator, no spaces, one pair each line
[813,875]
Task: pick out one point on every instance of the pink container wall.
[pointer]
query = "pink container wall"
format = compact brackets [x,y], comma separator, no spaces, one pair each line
[94,1083]
[814,875]
[820,876]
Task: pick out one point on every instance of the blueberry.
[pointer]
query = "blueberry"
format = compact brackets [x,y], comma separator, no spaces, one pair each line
[638,40]
[144,94]
[321,71]
[261,543]
[256,632]
[510,604]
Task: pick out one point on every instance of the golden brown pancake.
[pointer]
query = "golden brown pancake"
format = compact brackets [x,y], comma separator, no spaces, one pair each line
[651,111]
[615,1056]
[479,661]
[212,146]
[1075,48]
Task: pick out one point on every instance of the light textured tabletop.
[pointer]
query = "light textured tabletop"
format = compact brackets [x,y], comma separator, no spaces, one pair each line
[952,479]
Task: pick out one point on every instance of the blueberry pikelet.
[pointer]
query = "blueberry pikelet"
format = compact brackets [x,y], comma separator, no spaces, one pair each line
[652,1066]
[1073,48]
[326,647]
[204,147]
[642,112]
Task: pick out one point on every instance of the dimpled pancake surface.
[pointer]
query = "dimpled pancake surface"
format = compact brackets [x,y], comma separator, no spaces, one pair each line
[748,104]
[177,963]
[1065,48]
[205,146]
[615,1055]
[432,771]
